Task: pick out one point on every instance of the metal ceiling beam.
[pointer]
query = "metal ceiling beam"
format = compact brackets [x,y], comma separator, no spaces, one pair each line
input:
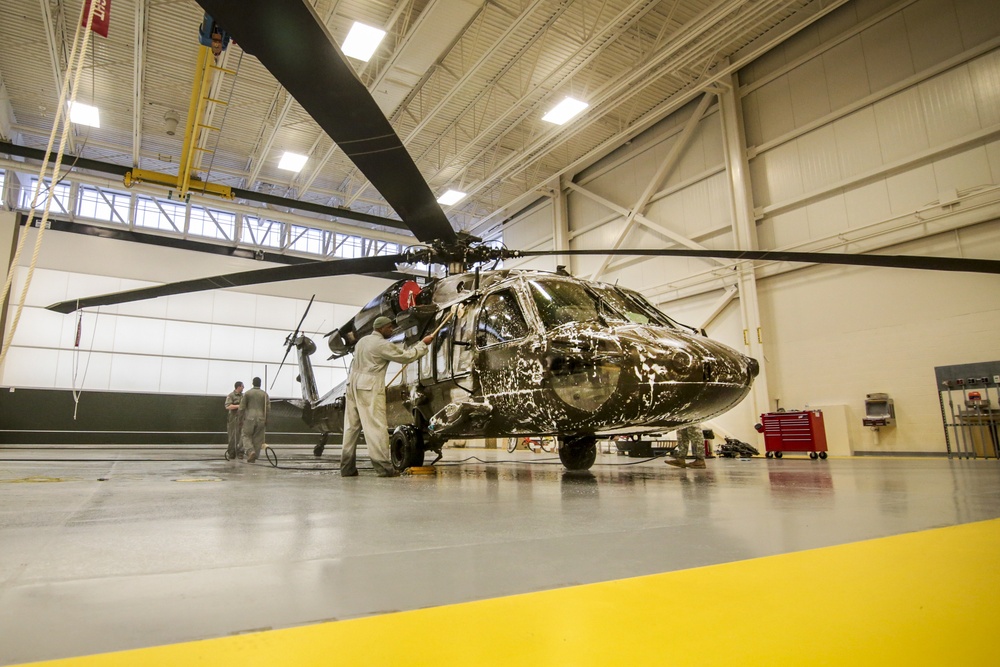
[138,69]
[55,57]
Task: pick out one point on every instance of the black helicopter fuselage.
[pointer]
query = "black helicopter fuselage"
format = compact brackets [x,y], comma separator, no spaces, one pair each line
[537,353]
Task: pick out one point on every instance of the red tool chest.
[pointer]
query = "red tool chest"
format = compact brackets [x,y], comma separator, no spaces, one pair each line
[795,431]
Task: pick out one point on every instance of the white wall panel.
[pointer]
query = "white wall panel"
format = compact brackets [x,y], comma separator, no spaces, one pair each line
[187,339]
[269,345]
[223,374]
[965,170]
[887,52]
[809,95]
[902,129]
[985,75]
[911,190]
[47,287]
[139,335]
[133,372]
[842,67]
[236,308]
[183,376]
[774,108]
[949,106]
[858,149]
[273,311]
[232,343]
[977,20]
[196,307]
[31,367]
[933,32]
[153,308]
[39,328]
[819,158]
[867,204]
[87,370]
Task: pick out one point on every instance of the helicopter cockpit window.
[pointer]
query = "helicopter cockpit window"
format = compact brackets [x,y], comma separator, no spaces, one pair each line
[560,302]
[500,320]
[627,306]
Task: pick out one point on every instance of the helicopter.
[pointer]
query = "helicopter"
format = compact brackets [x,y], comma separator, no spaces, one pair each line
[515,352]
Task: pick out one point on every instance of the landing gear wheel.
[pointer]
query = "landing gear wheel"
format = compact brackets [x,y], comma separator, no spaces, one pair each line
[406,448]
[578,453]
[822,455]
[318,449]
[813,455]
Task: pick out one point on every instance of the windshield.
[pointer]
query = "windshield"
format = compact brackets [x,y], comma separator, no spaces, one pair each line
[559,302]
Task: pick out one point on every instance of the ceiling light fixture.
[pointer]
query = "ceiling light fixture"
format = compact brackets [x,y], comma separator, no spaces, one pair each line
[362,41]
[292,162]
[84,114]
[451,197]
[566,110]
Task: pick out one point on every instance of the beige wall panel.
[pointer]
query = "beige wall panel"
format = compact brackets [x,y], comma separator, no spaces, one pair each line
[867,204]
[843,65]
[719,209]
[949,106]
[993,155]
[669,212]
[887,53]
[810,96]
[693,159]
[581,211]
[751,119]
[911,190]
[985,75]
[827,217]
[933,32]
[839,333]
[902,128]
[977,20]
[857,138]
[819,158]
[790,228]
[775,175]
[774,107]
[966,170]
[526,232]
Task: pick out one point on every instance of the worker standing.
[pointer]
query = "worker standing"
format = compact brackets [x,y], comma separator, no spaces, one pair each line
[689,437]
[254,407]
[365,406]
[234,422]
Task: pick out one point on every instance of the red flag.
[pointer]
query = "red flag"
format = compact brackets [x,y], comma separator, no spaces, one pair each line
[102,16]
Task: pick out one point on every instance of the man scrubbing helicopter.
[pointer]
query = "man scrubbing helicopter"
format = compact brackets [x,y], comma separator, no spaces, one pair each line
[365,405]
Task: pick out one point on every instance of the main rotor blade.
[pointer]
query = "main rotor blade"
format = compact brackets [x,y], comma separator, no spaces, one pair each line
[294,45]
[334,267]
[891,261]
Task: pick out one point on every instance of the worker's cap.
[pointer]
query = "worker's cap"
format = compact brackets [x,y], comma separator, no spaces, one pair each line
[381,321]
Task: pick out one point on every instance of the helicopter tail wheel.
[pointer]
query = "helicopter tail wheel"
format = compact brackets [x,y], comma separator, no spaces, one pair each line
[406,448]
[318,449]
[578,453]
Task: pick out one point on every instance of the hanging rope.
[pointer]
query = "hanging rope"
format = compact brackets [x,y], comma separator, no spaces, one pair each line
[75,67]
[76,357]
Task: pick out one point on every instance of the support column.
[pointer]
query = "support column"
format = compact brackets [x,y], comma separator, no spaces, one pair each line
[744,233]
[560,222]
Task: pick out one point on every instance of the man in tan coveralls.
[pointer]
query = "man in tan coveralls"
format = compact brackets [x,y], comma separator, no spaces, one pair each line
[254,406]
[365,407]
[234,425]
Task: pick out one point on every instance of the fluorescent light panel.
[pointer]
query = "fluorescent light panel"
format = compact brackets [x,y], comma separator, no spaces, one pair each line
[362,41]
[292,162]
[451,197]
[564,111]
[84,114]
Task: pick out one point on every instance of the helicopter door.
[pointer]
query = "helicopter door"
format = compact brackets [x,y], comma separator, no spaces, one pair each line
[464,334]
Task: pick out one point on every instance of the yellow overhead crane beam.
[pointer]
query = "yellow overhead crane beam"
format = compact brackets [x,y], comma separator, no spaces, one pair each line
[184,182]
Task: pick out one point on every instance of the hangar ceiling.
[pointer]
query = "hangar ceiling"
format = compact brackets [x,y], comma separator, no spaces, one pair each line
[464,82]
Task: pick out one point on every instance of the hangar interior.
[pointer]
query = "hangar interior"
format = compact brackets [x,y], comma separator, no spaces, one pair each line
[840,126]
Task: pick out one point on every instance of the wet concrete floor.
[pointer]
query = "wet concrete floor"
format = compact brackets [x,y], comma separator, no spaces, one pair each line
[108,549]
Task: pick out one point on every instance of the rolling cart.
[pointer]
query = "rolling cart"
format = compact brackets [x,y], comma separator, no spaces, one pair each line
[794,431]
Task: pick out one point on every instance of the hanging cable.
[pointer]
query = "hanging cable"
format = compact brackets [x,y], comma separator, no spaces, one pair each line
[76,358]
[75,67]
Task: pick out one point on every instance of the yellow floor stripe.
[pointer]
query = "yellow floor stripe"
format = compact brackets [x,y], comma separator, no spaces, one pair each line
[928,598]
